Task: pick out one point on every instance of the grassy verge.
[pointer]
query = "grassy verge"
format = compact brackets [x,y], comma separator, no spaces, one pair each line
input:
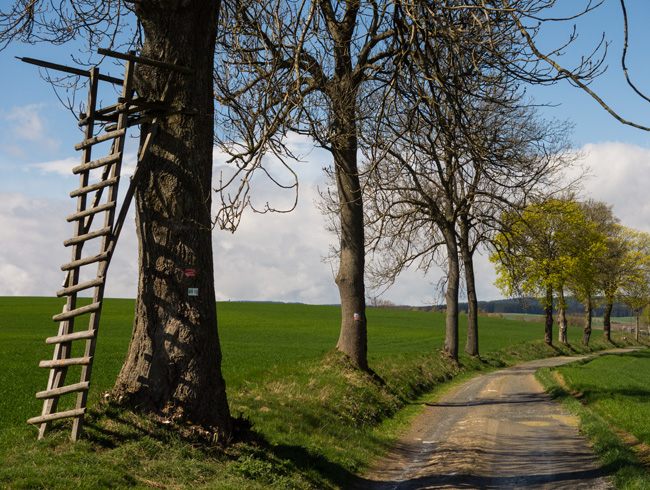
[610,395]
[316,421]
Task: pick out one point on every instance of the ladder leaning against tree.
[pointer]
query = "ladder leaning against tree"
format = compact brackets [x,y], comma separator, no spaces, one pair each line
[95,177]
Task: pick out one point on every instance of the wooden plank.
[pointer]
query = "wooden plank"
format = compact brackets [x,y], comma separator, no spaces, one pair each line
[88,260]
[99,139]
[80,287]
[77,412]
[77,312]
[93,210]
[85,120]
[73,361]
[142,103]
[150,117]
[87,236]
[64,390]
[81,335]
[97,163]
[146,61]
[69,69]
[94,187]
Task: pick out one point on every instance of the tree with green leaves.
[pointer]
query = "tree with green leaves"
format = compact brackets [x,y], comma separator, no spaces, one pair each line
[538,251]
[591,273]
[634,290]
[614,268]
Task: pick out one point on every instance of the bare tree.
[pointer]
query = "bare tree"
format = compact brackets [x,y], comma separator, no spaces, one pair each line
[173,366]
[459,147]
[306,67]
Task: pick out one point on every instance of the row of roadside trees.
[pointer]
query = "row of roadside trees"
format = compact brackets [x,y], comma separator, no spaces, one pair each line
[428,92]
[559,247]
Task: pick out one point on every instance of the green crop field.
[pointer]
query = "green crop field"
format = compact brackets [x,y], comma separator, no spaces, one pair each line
[611,394]
[618,389]
[315,420]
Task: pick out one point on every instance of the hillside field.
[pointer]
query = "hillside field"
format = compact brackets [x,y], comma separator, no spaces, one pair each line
[315,421]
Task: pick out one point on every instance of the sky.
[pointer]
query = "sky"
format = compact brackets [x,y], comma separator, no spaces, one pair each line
[279,257]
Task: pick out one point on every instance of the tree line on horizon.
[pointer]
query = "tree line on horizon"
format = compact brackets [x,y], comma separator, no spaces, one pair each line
[436,151]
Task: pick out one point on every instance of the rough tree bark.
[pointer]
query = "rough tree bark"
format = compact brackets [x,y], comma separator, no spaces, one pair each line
[607,317]
[451,296]
[562,333]
[548,323]
[471,346]
[173,365]
[586,332]
[343,91]
[350,281]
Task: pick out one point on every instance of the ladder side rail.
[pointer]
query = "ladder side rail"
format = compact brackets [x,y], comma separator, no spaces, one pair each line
[62,351]
[130,192]
[102,267]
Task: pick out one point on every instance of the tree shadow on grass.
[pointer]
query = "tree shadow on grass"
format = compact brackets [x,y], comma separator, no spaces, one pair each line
[112,426]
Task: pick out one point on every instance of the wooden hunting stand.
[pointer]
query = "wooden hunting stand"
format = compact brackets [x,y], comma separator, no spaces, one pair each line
[112,122]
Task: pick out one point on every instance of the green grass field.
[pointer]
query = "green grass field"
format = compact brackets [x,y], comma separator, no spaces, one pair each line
[617,387]
[315,420]
[611,394]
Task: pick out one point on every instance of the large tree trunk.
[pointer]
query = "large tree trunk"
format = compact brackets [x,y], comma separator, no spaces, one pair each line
[471,346]
[637,314]
[350,280]
[548,309]
[562,333]
[173,365]
[343,92]
[451,296]
[607,317]
[586,332]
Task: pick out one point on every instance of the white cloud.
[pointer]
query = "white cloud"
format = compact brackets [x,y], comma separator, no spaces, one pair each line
[27,124]
[274,256]
[31,244]
[32,249]
[58,167]
[620,176]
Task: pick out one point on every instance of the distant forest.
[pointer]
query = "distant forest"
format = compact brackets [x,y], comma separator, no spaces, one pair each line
[533,306]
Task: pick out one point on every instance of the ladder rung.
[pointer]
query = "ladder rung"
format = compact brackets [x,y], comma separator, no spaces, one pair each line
[96,117]
[87,236]
[121,101]
[80,287]
[66,315]
[88,260]
[56,416]
[99,139]
[73,361]
[106,110]
[94,187]
[81,335]
[64,390]
[101,162]
[88,212]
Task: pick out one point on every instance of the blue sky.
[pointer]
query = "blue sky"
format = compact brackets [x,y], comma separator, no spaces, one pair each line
[278,257]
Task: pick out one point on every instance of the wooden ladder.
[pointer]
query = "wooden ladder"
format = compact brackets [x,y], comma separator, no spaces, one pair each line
[90,204]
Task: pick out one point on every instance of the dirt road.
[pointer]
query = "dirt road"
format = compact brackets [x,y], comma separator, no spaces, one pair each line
[497,431]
